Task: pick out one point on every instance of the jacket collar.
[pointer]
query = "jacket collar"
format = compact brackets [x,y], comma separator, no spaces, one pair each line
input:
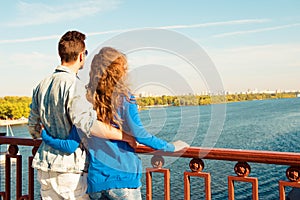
[61,68]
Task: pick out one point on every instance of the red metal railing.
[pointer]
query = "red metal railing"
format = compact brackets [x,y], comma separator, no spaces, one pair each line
[242,168]
[13,153]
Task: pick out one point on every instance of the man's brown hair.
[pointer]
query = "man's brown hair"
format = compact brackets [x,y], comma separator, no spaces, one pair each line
[70,45]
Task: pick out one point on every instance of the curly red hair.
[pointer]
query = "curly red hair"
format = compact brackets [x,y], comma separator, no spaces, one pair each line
[107,86]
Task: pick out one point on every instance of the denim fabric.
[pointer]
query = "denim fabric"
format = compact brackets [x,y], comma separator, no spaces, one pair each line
[58,102]
[117,194]
[294,194]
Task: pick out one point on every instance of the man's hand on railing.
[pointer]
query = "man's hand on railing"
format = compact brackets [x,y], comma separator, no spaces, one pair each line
[179,145]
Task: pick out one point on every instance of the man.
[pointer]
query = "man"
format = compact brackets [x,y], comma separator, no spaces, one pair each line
[58,102]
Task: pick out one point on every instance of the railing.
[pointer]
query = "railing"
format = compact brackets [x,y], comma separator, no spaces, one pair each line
[13,153]
[242,168]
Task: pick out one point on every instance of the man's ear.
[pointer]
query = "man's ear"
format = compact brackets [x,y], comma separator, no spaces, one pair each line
[80,57]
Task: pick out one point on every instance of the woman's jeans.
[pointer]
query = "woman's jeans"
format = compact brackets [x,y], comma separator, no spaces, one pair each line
[117,194]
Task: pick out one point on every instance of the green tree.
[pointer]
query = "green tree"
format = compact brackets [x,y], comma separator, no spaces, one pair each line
[14,107]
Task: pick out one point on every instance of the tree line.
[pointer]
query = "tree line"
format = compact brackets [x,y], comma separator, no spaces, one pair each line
[14,107]
[196,100]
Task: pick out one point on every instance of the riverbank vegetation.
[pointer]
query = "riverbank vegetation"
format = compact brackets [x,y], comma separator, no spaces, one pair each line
[15,107]
[194,100]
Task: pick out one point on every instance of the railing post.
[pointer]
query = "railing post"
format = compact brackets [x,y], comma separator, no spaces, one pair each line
[7,177]
[18,176]
[31,173]
[30,178]
[196,165]
[157,163]
[148,185]
[12,153]
[242,169]
[293,174]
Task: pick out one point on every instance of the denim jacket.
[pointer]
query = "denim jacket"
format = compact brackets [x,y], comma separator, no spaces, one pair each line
[58,102]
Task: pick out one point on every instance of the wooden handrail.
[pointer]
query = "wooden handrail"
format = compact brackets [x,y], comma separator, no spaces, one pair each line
[20,141]
[267,157]
[257,156]
[242,157]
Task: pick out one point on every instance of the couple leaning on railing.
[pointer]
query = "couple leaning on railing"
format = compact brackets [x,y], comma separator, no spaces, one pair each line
[89,128]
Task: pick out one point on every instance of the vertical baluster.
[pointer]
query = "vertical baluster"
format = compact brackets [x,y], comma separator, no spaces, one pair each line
[18,176]
[148,185]
[13,151]
[242,169]
[196,165]
[31,173]
[7,177]
[293,174]
[30,194]
[157,163]
[30,178]
[2,193]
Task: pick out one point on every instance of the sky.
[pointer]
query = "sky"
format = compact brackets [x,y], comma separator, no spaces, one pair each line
[253,45]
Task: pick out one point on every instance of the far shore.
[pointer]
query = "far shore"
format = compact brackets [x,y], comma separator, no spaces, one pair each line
[13,122]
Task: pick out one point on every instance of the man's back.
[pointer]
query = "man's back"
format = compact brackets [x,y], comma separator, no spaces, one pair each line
[50,106]
[61,174]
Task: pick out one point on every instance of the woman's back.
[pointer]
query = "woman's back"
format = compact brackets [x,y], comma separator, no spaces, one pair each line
[115,164]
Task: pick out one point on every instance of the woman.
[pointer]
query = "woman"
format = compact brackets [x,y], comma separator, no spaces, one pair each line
[115,170]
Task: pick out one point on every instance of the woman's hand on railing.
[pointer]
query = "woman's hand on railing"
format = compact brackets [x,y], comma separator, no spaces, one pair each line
[129,139]
[179,145]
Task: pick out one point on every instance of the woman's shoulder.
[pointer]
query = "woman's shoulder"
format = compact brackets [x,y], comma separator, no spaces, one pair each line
[130,99]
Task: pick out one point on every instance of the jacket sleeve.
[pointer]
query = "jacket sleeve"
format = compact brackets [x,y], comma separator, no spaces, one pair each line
[34,117]
[141,135]
[80,110]
[69,145]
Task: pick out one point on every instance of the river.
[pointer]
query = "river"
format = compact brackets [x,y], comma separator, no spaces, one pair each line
[272,125]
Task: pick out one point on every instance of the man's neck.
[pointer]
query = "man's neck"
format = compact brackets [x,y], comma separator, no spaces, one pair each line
[71,66]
